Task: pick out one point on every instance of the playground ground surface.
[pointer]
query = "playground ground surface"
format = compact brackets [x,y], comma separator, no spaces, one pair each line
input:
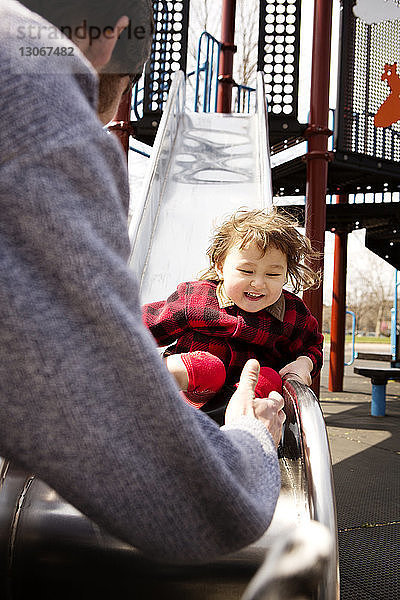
[366,468]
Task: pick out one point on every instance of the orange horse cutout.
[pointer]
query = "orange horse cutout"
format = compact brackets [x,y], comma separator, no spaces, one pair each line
[389,112]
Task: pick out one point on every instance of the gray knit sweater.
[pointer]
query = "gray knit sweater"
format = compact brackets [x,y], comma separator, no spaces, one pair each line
[85,402]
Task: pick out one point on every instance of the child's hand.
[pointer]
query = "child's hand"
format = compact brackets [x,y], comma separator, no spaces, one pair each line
[299,369]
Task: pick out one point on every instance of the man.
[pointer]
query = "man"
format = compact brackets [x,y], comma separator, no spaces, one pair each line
[85,403]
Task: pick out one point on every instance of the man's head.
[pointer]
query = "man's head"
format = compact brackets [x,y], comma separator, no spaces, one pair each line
[91,24]
[115,37]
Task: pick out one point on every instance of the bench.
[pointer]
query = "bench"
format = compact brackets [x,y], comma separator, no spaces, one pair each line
[379,377]
[374,356]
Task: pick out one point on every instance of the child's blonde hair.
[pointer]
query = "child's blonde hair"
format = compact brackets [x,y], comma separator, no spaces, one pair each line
[246,227]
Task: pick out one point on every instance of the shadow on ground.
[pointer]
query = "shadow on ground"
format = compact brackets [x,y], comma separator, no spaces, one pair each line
[366,469]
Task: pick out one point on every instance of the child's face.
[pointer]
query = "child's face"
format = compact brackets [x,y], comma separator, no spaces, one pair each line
[253,281]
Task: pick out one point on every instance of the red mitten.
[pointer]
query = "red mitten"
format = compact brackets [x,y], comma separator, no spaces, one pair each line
[268,381]
[206,374]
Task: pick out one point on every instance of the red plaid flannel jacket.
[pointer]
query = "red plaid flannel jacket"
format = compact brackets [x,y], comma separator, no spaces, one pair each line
[192,318]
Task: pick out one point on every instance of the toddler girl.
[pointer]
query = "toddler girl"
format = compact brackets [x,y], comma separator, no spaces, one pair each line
[238,310]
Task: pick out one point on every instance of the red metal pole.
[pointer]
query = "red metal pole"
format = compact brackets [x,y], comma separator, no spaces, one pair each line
[121,124]
[225,75]
[317,156]
[338,314]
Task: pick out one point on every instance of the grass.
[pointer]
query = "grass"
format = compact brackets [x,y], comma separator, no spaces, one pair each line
[362,339]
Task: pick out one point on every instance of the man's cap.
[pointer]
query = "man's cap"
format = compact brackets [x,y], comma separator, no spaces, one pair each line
[80,18]
[134,45]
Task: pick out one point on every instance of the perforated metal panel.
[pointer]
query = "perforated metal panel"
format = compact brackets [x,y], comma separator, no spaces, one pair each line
[169,51]
[278,54]
[168,54]
[368,113]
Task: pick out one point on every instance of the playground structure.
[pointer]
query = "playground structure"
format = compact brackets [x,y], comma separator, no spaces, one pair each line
[47,541]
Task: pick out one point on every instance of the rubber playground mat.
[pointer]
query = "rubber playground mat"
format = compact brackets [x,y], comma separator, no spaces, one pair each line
[366,469]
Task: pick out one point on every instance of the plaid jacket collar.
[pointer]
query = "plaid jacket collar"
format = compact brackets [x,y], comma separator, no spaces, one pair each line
[277,309]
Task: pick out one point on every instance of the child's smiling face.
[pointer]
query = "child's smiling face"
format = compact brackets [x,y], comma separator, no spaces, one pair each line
[252,280]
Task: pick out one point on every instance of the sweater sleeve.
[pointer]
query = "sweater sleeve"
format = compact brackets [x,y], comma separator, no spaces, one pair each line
[167,319]
[86,404]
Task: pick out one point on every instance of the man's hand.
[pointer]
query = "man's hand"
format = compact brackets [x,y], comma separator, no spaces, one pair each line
[299,370]
[267,410]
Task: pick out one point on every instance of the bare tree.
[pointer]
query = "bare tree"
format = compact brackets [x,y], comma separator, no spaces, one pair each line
[205,15]
[245,65]
[370,294]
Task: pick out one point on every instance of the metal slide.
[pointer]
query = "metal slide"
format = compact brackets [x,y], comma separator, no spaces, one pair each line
[204,166]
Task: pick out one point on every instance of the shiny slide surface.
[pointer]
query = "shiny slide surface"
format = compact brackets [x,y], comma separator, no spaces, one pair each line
[204,167]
